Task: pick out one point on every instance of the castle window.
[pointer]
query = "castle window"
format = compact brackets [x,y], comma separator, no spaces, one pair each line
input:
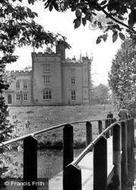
[9,99]
[47,95]
[46,79]
[73,80]
[18,96]
[25,84]
[73,95]
[25,96]
[18,84]
[46,68]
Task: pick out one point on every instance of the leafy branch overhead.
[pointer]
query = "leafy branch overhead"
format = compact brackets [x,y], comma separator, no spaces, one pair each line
[18,28]
[120,16]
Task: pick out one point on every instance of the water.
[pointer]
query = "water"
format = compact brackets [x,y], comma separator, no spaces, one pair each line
[50,162]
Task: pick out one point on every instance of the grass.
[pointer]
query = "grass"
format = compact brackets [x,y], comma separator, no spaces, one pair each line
[33,118]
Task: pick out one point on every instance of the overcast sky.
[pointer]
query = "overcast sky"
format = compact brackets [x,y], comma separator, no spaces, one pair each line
[82,41]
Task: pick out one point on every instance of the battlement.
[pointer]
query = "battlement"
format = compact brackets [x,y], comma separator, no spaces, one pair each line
[82,60]
[45,54]
[20,72]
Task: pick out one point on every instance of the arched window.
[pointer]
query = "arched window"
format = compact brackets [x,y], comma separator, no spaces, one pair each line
[18,84]
[47,94]
[18,96]
[25,96]
[25,84]
[73,95]
[73,81]
[9,99]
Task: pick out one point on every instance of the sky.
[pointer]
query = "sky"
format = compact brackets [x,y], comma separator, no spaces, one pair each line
[82,41]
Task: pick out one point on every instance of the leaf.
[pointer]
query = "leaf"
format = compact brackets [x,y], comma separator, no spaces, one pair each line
[99,25]
[56,6]
[103,2]
[114,36]
[73,8]
[105,37]
[77,23]
[30,1]
[110,23]
[113,6]
[120,17]
[46,4]
[78,13]
[84,21]
[132,18]
[50,7]
[122,36]
[98,40]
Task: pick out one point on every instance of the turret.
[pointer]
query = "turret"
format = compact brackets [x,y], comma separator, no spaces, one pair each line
[60,49]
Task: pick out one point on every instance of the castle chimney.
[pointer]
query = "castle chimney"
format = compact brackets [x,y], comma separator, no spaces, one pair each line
[60,49]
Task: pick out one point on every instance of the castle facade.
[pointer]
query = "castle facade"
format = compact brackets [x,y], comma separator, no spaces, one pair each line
[53,80]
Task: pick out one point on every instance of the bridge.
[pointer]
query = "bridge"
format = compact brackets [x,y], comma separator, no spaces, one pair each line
[107,162]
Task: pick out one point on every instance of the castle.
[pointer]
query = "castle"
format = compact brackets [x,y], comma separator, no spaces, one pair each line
[53,80]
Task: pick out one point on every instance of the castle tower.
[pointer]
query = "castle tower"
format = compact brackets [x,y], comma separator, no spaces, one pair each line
[60,49]
[46,79]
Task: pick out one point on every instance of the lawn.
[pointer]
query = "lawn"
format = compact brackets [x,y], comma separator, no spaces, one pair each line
[33,118]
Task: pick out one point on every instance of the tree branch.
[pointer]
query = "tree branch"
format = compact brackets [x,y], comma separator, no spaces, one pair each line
[111,17]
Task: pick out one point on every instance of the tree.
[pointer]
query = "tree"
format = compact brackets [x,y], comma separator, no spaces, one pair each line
[100,94]
[120,15]
[17,28]
[120,76]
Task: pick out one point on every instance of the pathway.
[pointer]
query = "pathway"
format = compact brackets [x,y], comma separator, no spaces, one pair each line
[86,166]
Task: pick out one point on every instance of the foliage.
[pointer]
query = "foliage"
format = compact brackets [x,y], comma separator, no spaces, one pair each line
[17,28]
[120,15]
[100,94]
[120,76]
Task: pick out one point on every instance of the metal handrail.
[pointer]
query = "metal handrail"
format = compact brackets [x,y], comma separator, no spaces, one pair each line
[33,134]
[91,145]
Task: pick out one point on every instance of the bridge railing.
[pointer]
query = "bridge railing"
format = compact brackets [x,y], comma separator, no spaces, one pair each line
[122,175]
[30,147]
[123,142]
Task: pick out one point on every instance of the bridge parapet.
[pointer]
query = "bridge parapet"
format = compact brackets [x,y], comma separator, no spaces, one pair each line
[122,133]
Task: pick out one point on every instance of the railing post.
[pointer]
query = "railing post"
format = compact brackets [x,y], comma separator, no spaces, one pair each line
[124,162]
[88,133]
[107,123]
[130,146]
[72,178]
[67,150]
[100,165]
[129,143]
[112,121]
[131,128]
[134,133]
[117,157]
[67,145]
[30,162]
[100,126]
